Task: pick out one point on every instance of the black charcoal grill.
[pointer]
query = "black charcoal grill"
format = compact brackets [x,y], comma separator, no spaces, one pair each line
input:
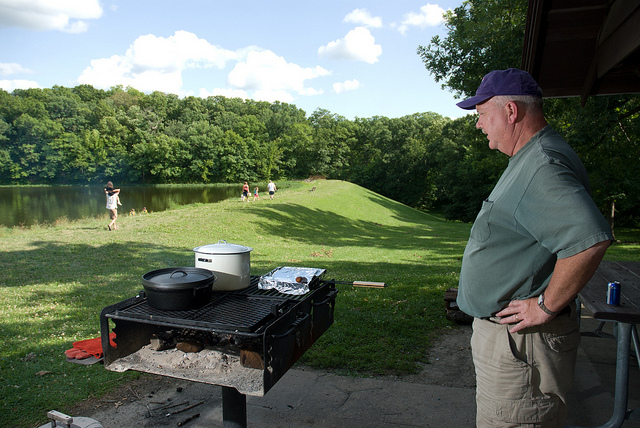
[250,338]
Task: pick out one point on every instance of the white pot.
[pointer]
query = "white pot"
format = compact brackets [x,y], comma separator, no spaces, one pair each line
[231,264]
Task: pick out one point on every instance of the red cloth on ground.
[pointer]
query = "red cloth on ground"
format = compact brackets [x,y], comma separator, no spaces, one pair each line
[91,347]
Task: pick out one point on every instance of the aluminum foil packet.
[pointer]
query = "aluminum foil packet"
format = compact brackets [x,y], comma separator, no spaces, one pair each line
[290,280]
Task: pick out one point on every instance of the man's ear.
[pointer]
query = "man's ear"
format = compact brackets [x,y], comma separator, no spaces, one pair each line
[512,111]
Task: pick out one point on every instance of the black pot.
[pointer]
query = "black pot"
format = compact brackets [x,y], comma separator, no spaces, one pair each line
[178,289]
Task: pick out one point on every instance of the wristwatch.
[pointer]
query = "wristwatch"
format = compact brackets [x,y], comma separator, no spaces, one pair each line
[544,308]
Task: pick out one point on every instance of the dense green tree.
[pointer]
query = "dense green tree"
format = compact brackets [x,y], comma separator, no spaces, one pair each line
[33,138]
[234,160]
[371,139]
[329,149]
[293,145]
[89,94]
[204,141]
[6,164]
[282,117]
[66,108]
[467,170]
[159,158]
[605,133]
[122,99]
[392,156]
[166,107]
[192,109]
[482,35]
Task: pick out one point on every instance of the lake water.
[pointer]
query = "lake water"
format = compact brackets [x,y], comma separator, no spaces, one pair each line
[33,205]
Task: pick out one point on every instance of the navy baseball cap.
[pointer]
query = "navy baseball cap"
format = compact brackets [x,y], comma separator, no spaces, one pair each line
[511,81]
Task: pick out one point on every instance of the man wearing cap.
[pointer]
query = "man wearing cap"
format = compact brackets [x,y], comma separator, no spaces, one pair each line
[536,241]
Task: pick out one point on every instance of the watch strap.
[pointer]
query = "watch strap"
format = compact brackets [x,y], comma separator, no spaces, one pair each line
[544,308]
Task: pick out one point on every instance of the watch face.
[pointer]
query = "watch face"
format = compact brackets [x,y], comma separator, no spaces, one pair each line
[541,299]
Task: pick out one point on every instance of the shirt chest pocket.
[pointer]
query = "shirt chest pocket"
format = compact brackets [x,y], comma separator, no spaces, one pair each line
[481,231]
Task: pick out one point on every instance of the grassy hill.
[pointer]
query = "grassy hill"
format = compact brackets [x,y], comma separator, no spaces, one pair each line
[56,279]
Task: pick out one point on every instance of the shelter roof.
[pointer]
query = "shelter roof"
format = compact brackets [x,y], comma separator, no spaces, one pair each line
[583,47]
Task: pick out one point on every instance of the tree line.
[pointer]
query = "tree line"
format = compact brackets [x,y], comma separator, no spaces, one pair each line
[84,135]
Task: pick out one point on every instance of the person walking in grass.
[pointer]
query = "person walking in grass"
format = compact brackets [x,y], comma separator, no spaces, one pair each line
[245,192]
[256,195]
[113,200]
[271,187]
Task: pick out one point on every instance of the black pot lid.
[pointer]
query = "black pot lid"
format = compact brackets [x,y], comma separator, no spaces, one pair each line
[178,278]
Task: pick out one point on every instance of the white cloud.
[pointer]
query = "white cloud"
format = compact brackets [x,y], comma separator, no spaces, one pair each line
[7,68]
[10,85]
[180,51]
[357,45]
[156,63]
[107,72]
[347,85]
[272,78]
[309,92]
[363,17]
[62,15]
[430,15]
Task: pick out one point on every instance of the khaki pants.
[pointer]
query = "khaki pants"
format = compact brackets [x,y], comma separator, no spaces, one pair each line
[523,378]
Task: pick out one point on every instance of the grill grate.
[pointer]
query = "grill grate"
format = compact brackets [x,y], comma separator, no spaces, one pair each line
[242,311]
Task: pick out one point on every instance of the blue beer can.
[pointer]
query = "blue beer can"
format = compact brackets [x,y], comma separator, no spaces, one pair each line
[613,293]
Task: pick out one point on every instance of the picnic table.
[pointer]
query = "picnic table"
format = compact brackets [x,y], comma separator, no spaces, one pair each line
[625,316]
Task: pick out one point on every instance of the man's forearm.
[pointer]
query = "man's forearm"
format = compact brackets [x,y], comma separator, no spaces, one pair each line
[571,274]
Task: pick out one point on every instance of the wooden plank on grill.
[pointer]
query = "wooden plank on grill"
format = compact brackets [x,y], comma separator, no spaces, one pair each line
[251,359]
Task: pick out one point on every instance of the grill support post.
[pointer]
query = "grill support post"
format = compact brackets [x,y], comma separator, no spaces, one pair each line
[234,408]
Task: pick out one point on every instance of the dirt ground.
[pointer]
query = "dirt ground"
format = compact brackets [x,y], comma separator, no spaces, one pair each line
[450,365]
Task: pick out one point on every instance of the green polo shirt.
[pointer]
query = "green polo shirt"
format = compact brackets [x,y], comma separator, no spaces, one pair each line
[540,210]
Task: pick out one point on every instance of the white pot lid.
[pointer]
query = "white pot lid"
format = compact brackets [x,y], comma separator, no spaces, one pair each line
[223,247]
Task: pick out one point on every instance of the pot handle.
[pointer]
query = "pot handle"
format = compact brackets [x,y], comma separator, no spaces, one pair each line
[176,271]
[200,289]
[223,241]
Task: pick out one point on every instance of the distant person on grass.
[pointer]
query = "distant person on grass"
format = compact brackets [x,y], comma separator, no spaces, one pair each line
[536,242]
[271,187]
[113,200]
[245,192]
[256,195]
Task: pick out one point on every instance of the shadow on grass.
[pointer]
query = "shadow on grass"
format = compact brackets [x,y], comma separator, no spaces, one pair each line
[323,227]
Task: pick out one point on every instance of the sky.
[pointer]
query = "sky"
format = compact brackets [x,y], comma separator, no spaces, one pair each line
[352,58]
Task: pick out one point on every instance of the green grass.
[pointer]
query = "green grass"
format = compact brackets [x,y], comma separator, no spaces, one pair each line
[56,279]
